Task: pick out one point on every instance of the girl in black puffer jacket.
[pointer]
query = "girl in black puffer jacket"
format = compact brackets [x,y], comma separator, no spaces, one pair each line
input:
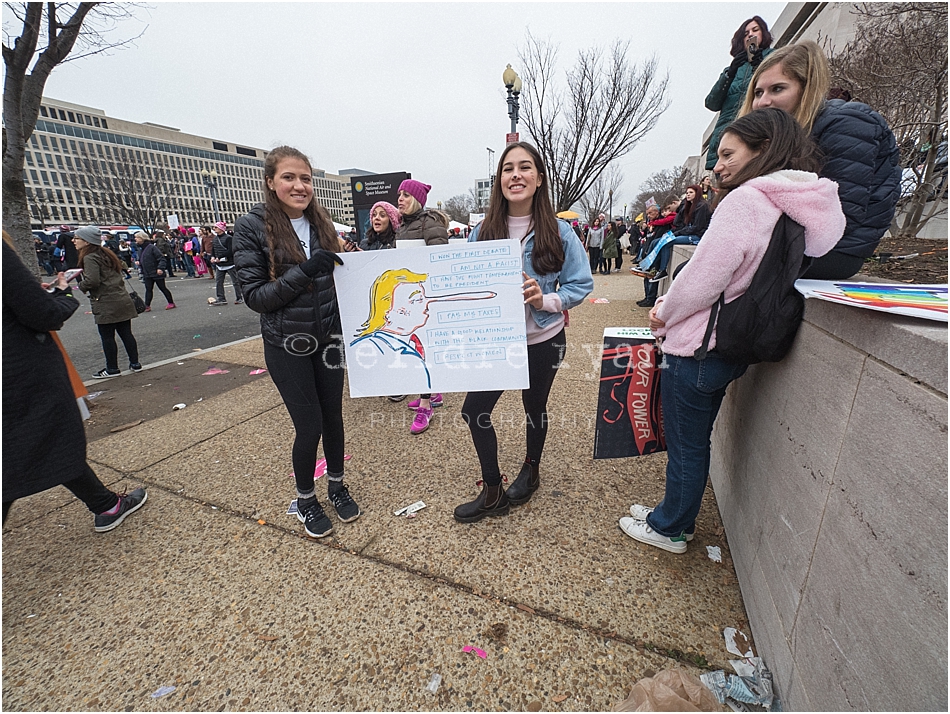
[284,250]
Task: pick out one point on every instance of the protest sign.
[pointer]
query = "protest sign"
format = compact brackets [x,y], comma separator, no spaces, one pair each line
[446,318]
[629,413]
[926,301]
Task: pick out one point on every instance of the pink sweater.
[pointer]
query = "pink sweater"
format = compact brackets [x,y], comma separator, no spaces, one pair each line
[734,244]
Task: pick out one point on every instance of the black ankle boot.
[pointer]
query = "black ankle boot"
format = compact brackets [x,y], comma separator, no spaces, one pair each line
[492,501]
[525,485]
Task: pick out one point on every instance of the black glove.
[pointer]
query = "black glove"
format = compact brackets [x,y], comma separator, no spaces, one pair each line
[756,58]
[322,261]
[737,62]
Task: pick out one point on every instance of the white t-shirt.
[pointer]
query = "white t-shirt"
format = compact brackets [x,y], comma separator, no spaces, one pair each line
[518,228]
[302,227]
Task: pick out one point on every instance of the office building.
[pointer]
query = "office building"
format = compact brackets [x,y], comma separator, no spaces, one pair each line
[69,138]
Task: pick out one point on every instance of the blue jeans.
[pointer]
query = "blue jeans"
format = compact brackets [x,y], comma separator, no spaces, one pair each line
[692,392]
[666,252]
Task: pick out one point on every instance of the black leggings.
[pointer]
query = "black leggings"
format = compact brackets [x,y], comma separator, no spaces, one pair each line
[107,334]
[87,488]
[160,282]
[312,389]
[544,359]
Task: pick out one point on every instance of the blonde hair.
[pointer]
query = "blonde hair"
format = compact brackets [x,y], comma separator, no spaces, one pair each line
[805,63]
[381,296]
[414,206]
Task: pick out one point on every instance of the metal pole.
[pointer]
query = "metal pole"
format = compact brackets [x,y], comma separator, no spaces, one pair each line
[214,202]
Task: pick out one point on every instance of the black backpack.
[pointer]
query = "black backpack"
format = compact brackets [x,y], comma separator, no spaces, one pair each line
[761,324]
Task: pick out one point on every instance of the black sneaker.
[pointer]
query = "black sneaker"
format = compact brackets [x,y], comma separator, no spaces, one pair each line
[659,276]
[128,503]
[135,367]
[397,397]
[346,508]
[315,521]
[106,373]
[239,301]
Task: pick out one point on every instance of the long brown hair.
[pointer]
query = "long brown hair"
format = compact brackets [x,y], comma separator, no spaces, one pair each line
[282,243]
[548,254]
[111,258]
[781,141]
[738,39]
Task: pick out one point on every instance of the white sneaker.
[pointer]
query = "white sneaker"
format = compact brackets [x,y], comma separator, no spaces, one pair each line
[639,512]
[639,530]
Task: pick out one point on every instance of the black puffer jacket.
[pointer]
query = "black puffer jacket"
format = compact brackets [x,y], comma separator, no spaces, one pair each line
[222,248]
[151,260]
[699,221]
[293,304]
[861,156]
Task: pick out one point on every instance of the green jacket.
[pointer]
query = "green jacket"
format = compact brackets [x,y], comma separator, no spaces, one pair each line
[610,245]
[726,97]
[106,288]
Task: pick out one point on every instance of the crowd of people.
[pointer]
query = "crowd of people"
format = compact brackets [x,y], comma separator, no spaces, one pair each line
[780,148]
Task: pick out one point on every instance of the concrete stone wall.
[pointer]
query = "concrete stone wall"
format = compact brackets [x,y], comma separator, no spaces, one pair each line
[830,471]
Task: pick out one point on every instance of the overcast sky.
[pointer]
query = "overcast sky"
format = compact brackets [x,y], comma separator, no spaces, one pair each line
[391,86]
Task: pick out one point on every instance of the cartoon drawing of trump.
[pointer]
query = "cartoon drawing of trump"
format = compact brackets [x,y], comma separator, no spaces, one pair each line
[398,307]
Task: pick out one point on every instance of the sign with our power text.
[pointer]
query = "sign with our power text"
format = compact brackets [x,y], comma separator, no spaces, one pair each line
[367,190]
[629,413]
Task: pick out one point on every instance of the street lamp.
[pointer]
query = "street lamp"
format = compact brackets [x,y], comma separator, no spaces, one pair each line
[210,179]
[513,85]
[610,206]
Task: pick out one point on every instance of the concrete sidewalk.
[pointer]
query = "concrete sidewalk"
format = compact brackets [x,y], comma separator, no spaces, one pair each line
[213,589]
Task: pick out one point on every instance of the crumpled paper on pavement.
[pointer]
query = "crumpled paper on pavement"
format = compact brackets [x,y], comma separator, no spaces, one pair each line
[672,690]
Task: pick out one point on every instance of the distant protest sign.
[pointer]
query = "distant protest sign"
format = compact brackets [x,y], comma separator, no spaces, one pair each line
[629,413]
[433,319]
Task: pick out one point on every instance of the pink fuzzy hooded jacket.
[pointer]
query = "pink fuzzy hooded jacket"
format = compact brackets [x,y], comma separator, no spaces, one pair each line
[734,244]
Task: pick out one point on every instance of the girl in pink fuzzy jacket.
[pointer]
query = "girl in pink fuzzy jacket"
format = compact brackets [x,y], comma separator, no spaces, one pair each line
[766,168]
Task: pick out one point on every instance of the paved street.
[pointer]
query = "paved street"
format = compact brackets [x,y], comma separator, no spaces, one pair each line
[163,334]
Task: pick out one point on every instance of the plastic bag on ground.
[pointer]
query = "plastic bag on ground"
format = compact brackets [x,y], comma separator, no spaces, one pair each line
[672,690]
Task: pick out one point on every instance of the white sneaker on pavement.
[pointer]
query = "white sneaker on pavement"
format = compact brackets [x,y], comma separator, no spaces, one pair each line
[639,530]
[639,512]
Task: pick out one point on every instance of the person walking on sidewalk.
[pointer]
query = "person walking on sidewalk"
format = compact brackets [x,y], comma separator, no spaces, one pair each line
[285,253]
[111,305]
[166,248]
[557,277]
[152,264]
[44,441]
[431,226]
[207,250]
[223,251]
[767,166]
[595,242]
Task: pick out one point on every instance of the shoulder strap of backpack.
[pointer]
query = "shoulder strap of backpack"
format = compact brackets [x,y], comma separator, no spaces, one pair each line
[703,349]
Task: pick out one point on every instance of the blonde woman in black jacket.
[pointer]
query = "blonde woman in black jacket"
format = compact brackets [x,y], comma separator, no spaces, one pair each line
[284,250]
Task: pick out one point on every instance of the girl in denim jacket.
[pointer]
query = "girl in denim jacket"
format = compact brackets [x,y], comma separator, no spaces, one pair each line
[557,277]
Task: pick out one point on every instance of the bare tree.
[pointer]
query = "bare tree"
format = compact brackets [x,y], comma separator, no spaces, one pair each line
[458,207]
[663,186]
[130,189]
[48,34]
[897,64]
[478,204]
[608,104]
[597,198]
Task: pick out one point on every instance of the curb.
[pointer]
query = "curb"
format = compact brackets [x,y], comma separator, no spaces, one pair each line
[205,351]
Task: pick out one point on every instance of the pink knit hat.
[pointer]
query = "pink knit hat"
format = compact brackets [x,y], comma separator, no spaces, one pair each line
[416,189]
[391,211]
[221,226]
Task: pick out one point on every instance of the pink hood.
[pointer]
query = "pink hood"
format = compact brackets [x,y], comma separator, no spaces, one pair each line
[732,248]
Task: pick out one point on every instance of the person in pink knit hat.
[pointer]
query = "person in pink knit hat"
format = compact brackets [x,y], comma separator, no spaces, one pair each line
[432,227]
[384,221]
[767,167]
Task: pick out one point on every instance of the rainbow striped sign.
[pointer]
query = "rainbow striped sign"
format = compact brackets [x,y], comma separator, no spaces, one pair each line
[926,301]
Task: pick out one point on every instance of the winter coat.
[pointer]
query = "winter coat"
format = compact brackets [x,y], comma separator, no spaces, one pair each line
[610,245]
[292,303]
[222,248]
[206,244]
[372,241]
[699,221]
[151,261]
[163,245]
[430,226]
[861,156]
[44,442]
[70,256]
[106,288]
[595,237]
[734,244]
[726,97]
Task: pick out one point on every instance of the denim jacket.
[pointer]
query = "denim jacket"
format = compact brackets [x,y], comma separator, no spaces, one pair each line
[572,284]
